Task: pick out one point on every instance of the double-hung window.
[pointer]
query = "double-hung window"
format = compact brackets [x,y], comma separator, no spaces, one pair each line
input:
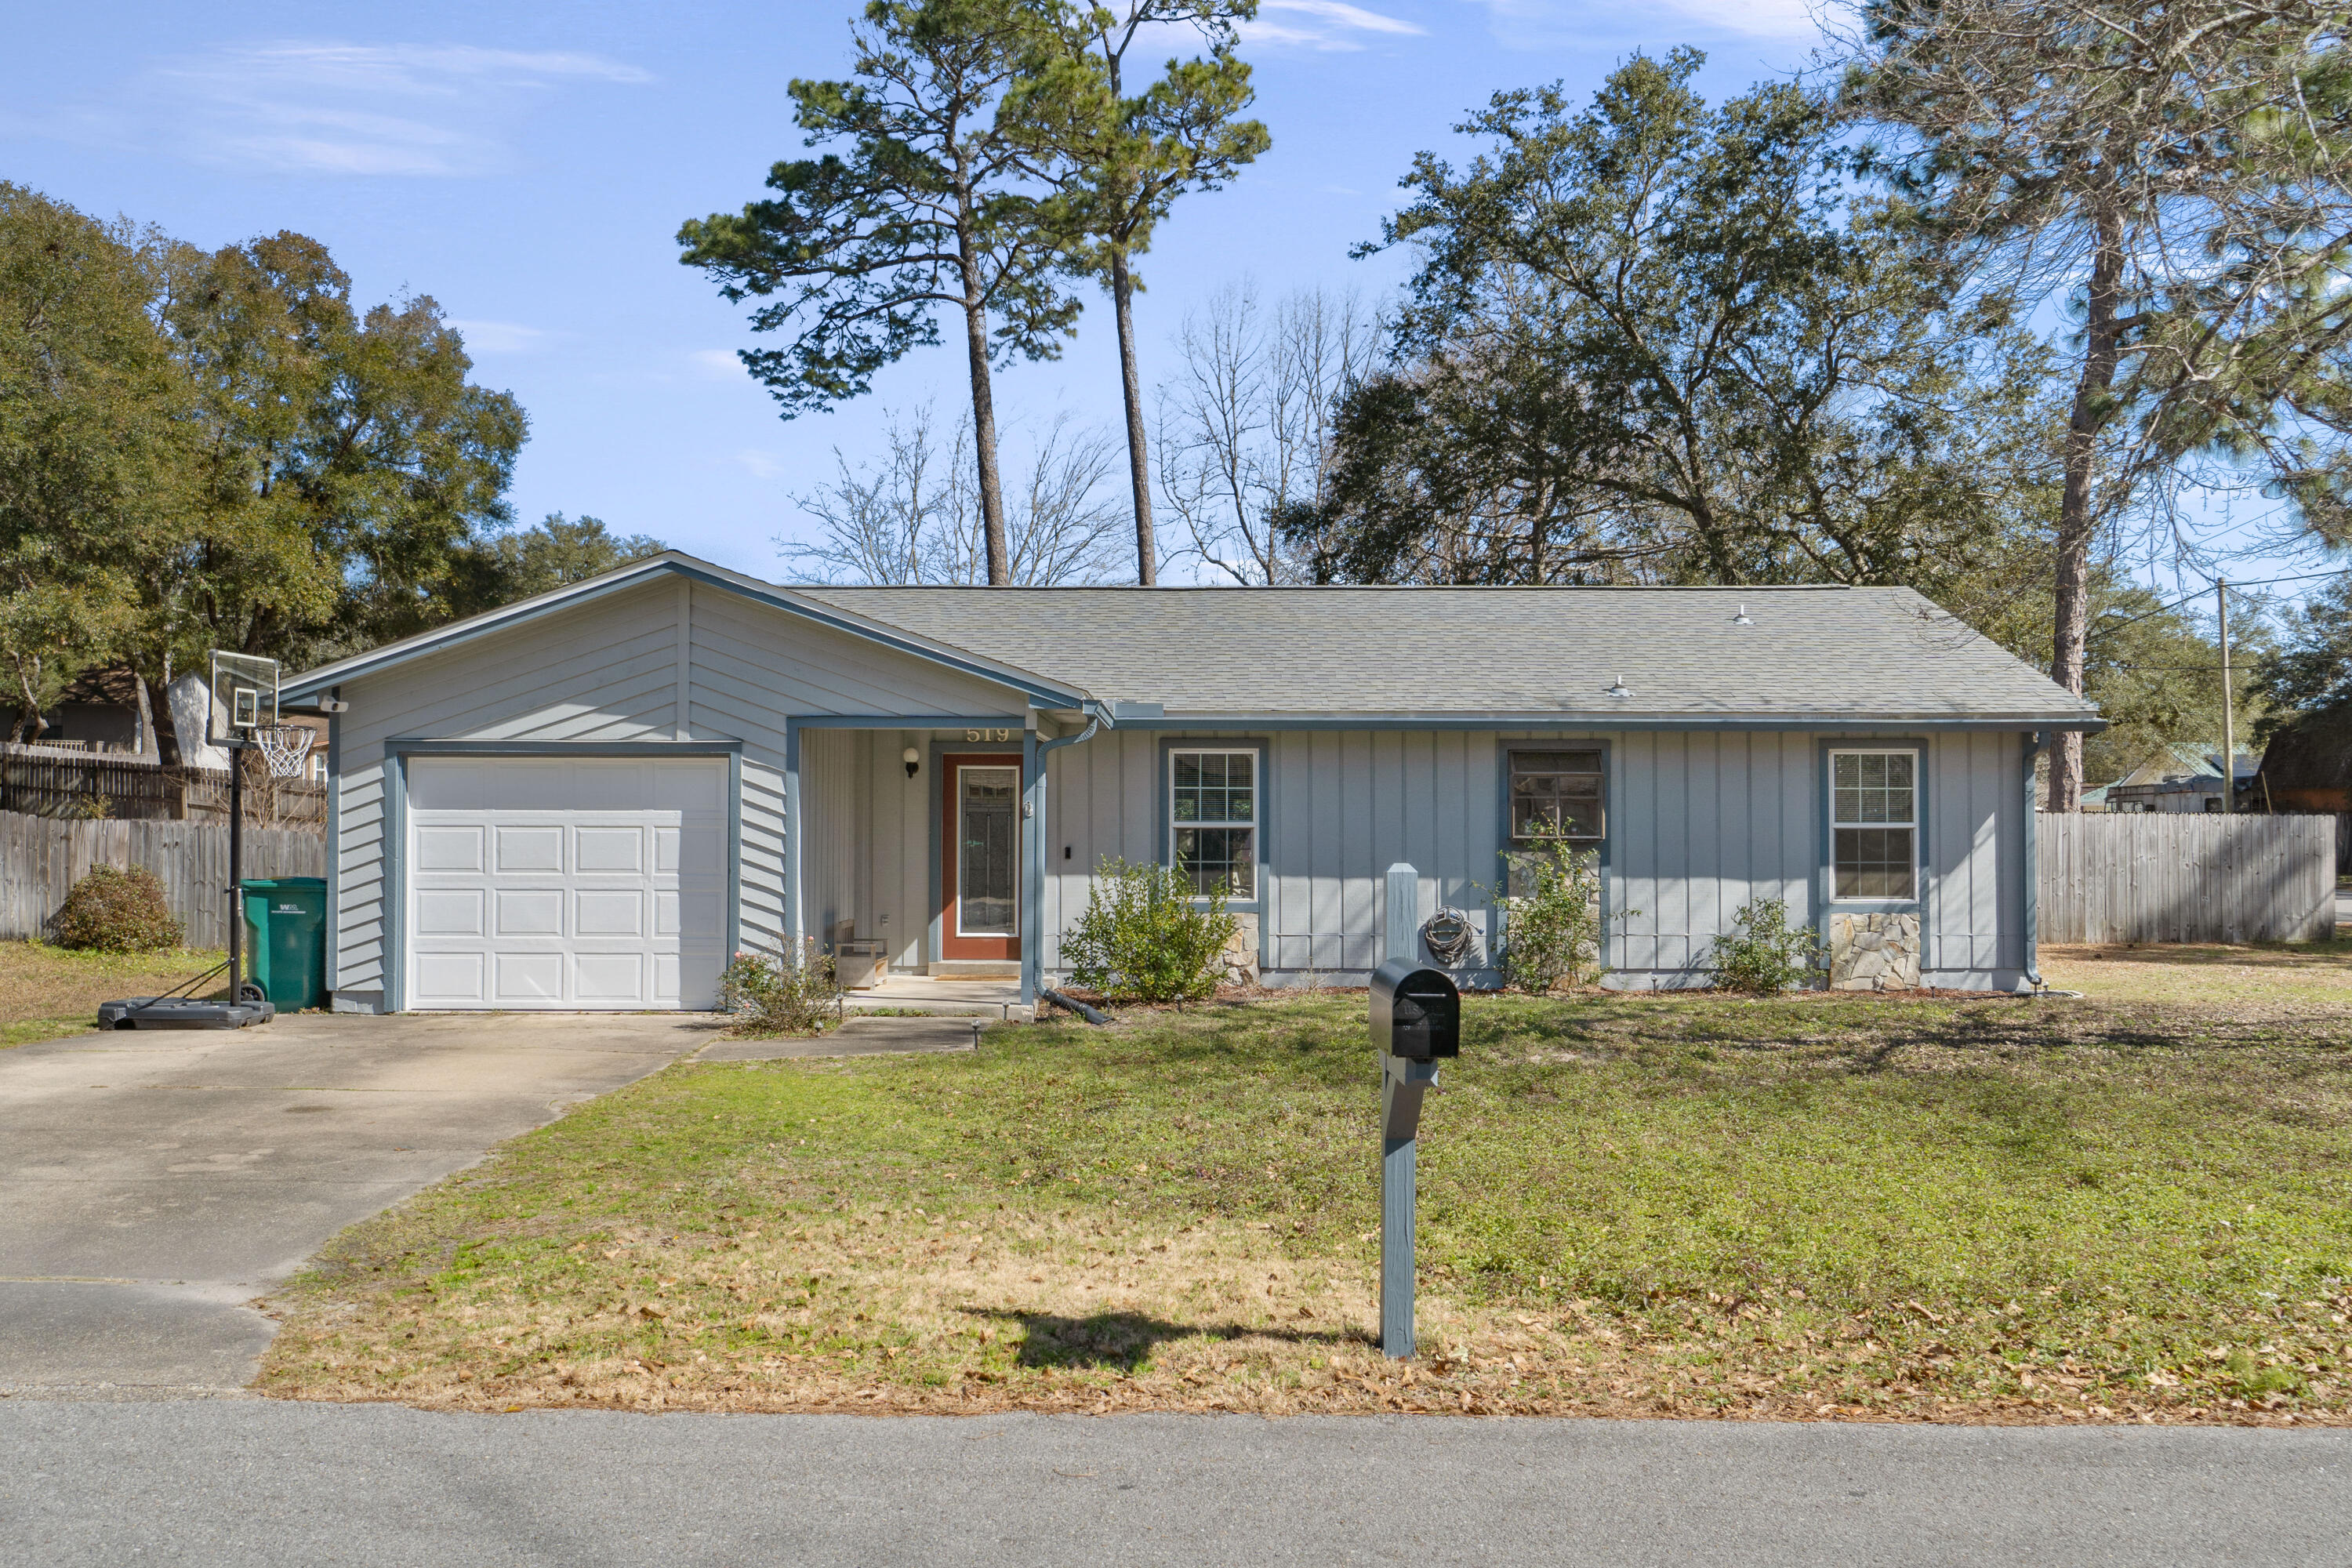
[1555,795]
[1874,825]
[1212,819]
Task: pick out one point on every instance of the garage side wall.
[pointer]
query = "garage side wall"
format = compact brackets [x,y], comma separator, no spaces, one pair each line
[672,660]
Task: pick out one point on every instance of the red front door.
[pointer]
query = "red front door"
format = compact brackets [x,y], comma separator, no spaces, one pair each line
[980,855]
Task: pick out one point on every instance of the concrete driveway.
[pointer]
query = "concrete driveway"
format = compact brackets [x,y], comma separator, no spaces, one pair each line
[153,1183]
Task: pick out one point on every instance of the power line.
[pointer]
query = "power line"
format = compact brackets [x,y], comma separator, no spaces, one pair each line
[2162,609]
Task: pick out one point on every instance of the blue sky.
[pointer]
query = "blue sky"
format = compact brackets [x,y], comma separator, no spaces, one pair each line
[527,167]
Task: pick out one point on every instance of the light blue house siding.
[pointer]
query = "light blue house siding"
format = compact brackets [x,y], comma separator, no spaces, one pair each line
[813,707]
[670,665]
[1698,823]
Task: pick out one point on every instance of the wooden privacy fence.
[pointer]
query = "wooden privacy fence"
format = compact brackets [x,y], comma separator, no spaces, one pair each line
[41,857]
[2174,877]
[43,782]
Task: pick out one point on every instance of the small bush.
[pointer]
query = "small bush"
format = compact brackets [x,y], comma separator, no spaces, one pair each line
[1145,937]
[116,911]
[1763,954]
[791,994]
[1552,933]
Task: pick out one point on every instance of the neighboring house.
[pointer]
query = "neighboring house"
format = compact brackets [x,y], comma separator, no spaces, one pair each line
[2180,778]
[589,799]
[98,713]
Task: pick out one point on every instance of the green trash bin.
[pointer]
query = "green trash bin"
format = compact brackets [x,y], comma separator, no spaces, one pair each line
[286,939]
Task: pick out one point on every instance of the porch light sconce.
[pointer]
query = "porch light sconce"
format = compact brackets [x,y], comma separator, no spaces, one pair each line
[913,759]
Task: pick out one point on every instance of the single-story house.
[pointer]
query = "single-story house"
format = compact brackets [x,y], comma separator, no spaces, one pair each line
[589,799]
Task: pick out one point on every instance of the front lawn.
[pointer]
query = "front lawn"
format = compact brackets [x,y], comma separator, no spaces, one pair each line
[47,992]
[1940,1209]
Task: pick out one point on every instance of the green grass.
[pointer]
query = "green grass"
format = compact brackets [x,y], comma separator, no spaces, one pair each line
[47,993]
[1977,1208]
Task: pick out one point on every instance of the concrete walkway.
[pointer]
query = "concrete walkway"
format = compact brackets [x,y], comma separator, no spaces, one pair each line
[153,1182]
[258,1484]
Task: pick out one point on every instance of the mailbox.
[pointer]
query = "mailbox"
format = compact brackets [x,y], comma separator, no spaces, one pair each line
[1416,1012]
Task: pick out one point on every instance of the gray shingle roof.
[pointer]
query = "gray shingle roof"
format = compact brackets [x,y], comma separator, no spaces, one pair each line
[1836,653]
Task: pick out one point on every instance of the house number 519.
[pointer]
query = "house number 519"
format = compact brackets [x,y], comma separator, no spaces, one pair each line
[978,736]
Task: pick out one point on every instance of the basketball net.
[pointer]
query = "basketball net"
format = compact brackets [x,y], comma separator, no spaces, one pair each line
[284,747]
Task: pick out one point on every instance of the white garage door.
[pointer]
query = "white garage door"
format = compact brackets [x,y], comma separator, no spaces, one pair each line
[554,883]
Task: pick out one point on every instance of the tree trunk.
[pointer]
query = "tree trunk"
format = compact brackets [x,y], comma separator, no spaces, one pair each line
[1139,461]
[29,722]
[983,407]
[2077,521]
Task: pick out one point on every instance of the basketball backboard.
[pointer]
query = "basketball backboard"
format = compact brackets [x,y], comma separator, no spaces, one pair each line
[244,693]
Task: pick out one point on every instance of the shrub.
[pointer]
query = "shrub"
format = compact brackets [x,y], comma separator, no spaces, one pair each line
[1145,936]
[790,995]
[1762,953]
[1552,933]
[116,911]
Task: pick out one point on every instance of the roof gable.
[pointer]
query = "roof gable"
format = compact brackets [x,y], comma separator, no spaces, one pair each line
[313,683]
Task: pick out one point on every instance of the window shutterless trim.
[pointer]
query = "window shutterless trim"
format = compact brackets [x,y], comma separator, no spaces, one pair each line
[1612,942]
[1261,902]
[1513,749]
[1252,825]
[1825,821]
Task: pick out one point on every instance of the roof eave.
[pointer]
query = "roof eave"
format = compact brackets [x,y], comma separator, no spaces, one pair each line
[1617,719]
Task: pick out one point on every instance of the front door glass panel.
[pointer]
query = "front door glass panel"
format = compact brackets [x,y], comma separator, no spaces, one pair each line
[988,803]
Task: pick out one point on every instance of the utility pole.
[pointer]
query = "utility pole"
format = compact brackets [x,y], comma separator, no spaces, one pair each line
[2229,704]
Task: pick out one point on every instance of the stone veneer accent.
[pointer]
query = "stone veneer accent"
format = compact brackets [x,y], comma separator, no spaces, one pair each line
[1241,951]
[1873,952]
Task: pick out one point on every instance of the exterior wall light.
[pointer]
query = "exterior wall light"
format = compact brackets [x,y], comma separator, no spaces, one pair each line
[913,759]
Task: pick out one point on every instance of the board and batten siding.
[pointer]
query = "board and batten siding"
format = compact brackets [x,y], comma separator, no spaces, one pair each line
[671,660]
[1700,821]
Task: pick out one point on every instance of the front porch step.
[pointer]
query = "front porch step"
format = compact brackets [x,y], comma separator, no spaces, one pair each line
[975,969]
[1004,1012]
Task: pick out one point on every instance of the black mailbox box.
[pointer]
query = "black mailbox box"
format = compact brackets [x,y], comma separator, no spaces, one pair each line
[1416,1012]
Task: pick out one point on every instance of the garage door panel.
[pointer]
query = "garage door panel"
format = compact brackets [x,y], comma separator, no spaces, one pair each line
[611,913]
[614,786]
[607,851]
[558,883]
[449,911]
[449,849]
[450,980]
[527,977]
[530,912]
[610,977]
[534,848]
[684,787]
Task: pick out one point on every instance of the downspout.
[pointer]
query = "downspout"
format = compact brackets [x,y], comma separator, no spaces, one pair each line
[2035,743]
[1032,935]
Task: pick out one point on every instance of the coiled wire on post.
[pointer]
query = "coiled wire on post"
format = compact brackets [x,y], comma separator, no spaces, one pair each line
[1448,936]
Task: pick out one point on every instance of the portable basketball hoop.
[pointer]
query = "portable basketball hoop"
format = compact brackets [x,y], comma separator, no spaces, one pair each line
[244,714]
[285,747]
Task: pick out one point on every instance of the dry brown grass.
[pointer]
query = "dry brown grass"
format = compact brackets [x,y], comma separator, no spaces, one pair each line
[1951,1210]
[47,993]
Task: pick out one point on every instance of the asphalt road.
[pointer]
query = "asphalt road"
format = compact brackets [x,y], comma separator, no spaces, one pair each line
[153,1182]
[258,1484]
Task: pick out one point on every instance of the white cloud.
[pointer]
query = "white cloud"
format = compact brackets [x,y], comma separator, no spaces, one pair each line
[324,108]
[1540,23]
[1752,18]
[719,364]
[761,465]
[504,337]
[1328,25]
